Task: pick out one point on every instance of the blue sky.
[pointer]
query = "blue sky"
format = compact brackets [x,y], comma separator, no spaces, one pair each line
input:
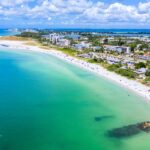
[75,13]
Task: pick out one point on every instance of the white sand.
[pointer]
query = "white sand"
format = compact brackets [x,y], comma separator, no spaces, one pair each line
[133,85]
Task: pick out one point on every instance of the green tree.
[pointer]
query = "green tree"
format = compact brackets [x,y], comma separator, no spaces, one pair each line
[143,46]
[133,46]
[140,65]
[120,42]
[148,73]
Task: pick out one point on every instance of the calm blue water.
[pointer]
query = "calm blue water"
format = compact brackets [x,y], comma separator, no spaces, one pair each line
[107,30]
[6,32]
[110,32]
[49,104]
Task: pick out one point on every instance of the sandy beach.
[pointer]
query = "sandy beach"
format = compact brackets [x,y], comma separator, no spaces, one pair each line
[135,86]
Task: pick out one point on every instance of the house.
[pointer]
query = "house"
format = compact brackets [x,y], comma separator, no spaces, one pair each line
[85,44]
[144,39]
[131,65]
[78,47]
[84,38]
[85,55]
[82,45]
[112,60]
[104,41]
[73,36]
[141,71]
[143,57]
[96,48]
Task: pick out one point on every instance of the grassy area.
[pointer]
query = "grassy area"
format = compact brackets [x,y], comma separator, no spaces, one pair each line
[68,51]
[147,81]
[92,61]
[113,67]
[124,72]
[127,73]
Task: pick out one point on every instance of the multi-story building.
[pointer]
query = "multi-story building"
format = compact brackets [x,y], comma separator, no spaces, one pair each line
[63,42]
[118,49]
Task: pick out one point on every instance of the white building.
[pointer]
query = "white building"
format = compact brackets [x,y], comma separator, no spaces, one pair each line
[54,38]
[141,70]
[112,60]
[127,50]
[82,45]
[143,38]
[78,47]
[96,48]
[63,42]
[30,30]
[118,49]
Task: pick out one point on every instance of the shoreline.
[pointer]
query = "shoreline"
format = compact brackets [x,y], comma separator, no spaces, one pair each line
[133,85]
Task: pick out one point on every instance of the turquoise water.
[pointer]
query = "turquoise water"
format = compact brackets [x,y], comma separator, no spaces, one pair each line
[6,32]
[48,104]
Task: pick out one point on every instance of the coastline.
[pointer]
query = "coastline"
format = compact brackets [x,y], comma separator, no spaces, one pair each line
[135,86]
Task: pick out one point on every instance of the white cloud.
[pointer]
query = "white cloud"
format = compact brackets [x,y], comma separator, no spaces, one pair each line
[49,18]
[8,3]
[118,12]
[144,7]
[76,11]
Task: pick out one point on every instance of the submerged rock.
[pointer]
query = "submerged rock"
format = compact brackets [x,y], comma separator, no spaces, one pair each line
[100,118]
[145,126]
[129,130]
[124,131]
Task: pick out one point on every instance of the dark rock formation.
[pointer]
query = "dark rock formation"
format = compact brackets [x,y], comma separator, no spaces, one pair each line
[129,130]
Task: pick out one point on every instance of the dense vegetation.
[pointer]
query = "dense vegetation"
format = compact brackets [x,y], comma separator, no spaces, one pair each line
[118,42]
[124,72]
[113,67]
[147,73]
[31,35]
[140,65]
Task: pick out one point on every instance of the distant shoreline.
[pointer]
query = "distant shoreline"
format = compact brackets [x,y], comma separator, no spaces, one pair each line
[135,86]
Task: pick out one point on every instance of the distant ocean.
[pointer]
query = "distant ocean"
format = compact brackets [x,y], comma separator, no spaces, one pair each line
[110,32]
[107,30]
[115,32]
[7,32]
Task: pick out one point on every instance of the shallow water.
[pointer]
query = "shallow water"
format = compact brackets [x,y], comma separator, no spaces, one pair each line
[48,104]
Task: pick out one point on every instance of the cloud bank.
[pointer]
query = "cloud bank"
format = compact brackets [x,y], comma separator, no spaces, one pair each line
[73,13]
